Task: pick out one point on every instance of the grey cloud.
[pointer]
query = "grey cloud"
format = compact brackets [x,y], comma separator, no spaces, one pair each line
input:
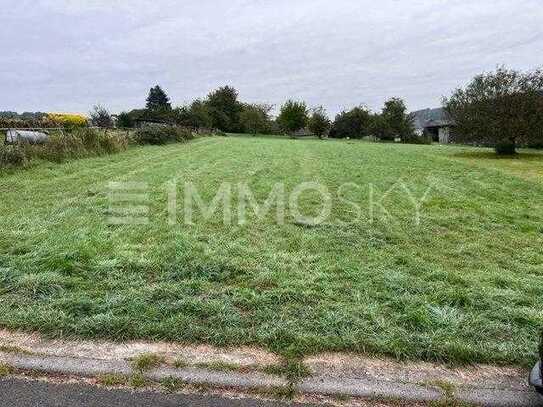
[66,55]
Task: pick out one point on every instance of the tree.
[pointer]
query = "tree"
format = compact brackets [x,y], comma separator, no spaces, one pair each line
[255,118]
[100,117]
[394,121]
[124,119]
[293,116]
[503,109]
[224,109]
[195,115]
[319,123]
[354,123]
[158,100]
[379,127]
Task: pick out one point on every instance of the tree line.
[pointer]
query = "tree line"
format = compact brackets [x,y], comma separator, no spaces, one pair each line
[502,109]
[223,110]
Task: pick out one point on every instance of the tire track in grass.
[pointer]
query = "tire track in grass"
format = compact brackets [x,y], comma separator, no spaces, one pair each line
[165,162]
[131,173]
[77,186]
[63,203]
[121,161]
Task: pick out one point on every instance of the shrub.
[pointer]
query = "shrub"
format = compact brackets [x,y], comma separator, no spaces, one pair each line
[153,134]
[125,120]
[157,135]
[354,123]
[114,143]
[26,123]
[195,115]
[60,147]
[182,134]
[13,156]
[414,138]
[100,117]
[66,120]
[89,137]
[79,144]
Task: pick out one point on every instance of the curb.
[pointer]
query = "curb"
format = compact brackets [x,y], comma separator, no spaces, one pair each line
[319,385]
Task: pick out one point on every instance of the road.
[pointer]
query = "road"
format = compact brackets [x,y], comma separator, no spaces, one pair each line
[29,393]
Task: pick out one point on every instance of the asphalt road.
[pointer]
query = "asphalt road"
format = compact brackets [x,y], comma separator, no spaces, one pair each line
[29,393]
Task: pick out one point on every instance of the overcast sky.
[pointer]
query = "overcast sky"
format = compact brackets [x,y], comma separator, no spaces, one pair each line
[66,55]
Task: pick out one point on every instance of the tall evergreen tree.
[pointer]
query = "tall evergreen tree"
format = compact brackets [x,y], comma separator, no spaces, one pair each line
[157,99]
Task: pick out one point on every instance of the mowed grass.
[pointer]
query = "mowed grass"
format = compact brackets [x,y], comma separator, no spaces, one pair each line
[464,284]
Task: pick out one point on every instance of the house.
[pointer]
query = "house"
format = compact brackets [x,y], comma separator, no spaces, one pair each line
[434,122]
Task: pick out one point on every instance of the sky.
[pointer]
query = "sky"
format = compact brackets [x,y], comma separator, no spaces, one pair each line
[68,55]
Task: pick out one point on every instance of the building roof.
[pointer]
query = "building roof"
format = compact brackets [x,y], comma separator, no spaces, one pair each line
[431,118]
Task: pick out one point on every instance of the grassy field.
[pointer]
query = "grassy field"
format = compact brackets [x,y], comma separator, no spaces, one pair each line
[464,284]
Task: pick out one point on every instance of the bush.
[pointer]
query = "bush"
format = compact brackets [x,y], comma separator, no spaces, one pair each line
[125,120]
[100,117]
[354,123]
[60,147]
[196,115]
[69,121]
[79,144]
[414,138]
[13,156]
[153,134]
[111,143]
[182,134]
[158,135]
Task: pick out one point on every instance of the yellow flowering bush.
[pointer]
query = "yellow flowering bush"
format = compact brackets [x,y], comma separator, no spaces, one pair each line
[68,119]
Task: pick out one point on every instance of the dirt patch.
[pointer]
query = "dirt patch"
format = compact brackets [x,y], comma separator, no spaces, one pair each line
[105,350]
[354,366]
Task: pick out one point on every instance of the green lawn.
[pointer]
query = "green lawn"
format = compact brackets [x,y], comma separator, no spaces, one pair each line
[463,285]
